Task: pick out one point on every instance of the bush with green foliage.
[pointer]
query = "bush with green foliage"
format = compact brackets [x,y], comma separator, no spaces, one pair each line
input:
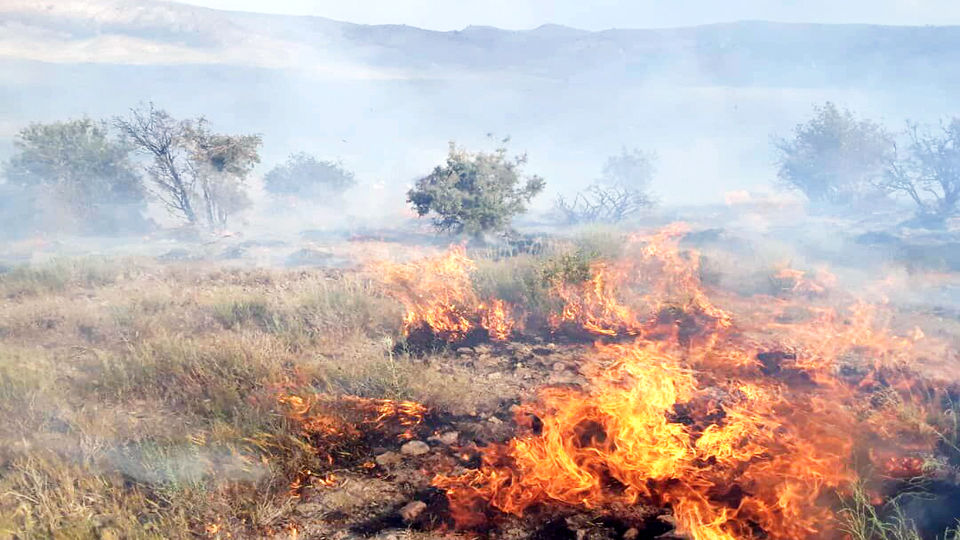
[306,176]
[834,157]
[82,173]
[476,193]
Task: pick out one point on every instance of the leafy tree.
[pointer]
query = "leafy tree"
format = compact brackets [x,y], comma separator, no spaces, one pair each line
[620,193]
[196,173]
[85,172]
[929,172]
[305,175]
[475,193]
[834,157]
[630,168]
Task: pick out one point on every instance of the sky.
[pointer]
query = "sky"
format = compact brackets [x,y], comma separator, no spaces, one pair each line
[602,14]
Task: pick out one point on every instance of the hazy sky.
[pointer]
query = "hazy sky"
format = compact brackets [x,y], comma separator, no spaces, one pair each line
[600,14]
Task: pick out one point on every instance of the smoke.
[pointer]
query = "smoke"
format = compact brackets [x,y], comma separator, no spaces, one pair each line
[386,100]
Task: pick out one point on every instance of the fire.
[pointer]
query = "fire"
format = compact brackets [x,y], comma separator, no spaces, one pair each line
[337,426]
[745,430]
[593,305]
[797,282]
[438,295]
[346,416]
[216,530]
[495,318]
[620,442]
[656,271]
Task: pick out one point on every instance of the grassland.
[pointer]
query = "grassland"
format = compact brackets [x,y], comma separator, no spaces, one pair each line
[139,399]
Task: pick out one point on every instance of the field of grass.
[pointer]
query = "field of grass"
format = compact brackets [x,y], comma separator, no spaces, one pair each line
[140,399]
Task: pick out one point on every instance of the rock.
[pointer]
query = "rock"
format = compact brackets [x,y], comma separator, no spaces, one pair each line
[178,254]
[233,252]
[494,375]
[494,420]
[313,257]
[631,534]
[310,509]
[449,437]
[412,509]
[559,366]
[415,448]
[388,459]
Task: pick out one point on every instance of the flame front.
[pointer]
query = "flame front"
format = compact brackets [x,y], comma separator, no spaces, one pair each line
[438,295]
[742,437]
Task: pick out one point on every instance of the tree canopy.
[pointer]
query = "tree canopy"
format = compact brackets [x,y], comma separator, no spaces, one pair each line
[834,157]
[195,173]
[475,193]
[305,175]
[929,170]
[76,164]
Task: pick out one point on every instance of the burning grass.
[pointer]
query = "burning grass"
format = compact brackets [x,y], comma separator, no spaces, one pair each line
[597,388]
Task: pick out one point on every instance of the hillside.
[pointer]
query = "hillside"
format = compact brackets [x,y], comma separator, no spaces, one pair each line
[356,91]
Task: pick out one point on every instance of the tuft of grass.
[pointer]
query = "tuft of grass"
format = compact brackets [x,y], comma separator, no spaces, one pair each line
[370,369]
[58,275]
[518,280]
[862,520]
[327,310]
[234,313]
[212,377]
[599,241]
[46,496]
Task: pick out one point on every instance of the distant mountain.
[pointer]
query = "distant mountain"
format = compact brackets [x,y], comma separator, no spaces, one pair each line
[747,53]
[384,98]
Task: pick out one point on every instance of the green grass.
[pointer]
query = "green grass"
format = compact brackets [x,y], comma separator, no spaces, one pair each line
[234,313]
[864,521]
[59,274]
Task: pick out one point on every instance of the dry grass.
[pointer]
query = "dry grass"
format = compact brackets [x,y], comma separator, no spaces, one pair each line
[139,400]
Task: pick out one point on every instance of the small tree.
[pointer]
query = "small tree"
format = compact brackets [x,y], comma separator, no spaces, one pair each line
[475,193]
[929,172]
[196,173]
[220,164]
[306,176]
[85,172]
[620,193]
[834,157]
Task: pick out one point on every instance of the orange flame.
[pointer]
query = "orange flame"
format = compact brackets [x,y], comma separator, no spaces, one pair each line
[335,425]
[438,294]
[654,265]
[739,438]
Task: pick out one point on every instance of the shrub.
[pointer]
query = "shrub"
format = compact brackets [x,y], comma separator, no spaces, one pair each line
[834,157]
[306,176]
[475,194]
